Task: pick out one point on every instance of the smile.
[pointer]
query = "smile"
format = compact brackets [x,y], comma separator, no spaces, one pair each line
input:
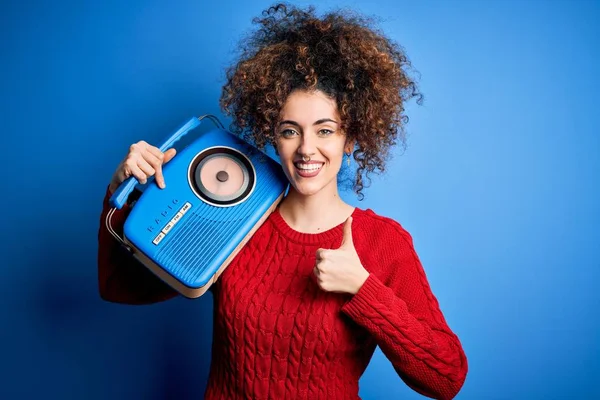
[308,170]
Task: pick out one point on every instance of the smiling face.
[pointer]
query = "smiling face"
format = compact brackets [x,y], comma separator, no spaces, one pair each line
[310,142]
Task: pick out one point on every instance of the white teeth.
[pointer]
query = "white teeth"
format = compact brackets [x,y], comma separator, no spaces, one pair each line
[308,167]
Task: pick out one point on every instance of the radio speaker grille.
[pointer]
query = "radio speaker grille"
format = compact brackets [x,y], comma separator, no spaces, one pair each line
[195,264]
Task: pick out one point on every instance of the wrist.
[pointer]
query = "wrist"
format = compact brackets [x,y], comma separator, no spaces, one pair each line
[361,281]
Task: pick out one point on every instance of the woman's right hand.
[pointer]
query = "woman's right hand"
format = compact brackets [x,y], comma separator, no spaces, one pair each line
[142,161]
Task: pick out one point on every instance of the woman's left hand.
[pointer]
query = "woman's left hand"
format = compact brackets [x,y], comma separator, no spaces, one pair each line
[340,270]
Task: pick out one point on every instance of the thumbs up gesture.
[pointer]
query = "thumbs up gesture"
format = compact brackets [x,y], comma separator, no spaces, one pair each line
[340,270]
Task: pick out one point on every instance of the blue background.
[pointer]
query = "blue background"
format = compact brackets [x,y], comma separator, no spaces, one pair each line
[499,187]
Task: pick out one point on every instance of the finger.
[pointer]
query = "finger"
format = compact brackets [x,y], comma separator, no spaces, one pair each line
[158,160]
[347,239]
[120,175]
[146,167]
[160,180]
[155,162]
[169,154]
[155,151]
[324,286]
[139,168]
[320,254]
[163,157]
[136,171]
[138,147]
[153,159]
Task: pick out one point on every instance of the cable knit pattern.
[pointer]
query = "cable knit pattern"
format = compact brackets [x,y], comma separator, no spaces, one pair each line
[277,335]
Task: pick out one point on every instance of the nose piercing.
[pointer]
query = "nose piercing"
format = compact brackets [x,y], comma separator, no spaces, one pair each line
[305,159]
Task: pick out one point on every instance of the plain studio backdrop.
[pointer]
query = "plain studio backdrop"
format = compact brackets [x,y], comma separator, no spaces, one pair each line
[498,186]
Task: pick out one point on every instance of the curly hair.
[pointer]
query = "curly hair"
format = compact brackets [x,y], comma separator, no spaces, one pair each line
[339,54]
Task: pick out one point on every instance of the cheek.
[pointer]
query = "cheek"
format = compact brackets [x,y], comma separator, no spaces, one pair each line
[334,154]
[283,152]
[286,157]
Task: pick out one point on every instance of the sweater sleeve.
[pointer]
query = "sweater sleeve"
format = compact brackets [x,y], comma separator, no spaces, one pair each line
[121,277]
[404,317]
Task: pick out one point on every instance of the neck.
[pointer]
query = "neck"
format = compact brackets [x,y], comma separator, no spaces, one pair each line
[315,213]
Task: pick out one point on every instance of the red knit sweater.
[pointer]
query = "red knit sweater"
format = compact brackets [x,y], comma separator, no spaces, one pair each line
[277,335]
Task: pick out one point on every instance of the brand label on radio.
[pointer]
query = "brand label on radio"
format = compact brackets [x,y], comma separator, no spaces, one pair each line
[171,223]
[159,220]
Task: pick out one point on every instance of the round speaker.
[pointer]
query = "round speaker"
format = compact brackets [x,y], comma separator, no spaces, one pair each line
[222,176]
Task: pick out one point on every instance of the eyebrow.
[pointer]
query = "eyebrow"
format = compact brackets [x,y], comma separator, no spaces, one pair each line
[321,121]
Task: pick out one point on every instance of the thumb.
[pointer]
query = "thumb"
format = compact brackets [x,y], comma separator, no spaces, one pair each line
[347,239]
[169,154]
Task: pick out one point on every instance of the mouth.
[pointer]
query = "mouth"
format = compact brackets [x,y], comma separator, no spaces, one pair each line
[308,170]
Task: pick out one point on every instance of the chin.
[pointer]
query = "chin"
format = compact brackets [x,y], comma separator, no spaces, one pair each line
[309,188]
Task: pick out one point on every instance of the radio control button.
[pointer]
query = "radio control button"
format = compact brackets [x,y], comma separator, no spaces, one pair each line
[168,227]
[185,207]
[158,238]
[176,218]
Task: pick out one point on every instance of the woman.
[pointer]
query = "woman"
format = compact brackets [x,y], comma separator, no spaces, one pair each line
[301,309]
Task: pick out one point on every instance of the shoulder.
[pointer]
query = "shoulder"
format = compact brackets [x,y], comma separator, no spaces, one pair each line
[372,224]
[383,244]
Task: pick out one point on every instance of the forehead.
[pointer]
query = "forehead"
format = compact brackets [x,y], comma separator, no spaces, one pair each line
[309,106]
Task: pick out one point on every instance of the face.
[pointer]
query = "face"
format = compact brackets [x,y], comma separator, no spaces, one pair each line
[309,128]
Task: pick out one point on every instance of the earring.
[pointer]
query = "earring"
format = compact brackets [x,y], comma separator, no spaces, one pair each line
[348,158]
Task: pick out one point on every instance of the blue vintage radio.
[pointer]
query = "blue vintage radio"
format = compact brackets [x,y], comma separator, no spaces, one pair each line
[219,190]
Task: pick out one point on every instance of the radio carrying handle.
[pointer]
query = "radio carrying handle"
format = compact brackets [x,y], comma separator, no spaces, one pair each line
[121,194]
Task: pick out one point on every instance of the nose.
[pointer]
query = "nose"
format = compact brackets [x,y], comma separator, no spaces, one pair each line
[307,145]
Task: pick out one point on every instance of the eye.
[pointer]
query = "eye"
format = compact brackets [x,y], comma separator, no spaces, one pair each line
[288,133]
[326,132]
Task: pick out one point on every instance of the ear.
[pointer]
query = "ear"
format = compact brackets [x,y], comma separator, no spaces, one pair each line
[275,145]
[349,146]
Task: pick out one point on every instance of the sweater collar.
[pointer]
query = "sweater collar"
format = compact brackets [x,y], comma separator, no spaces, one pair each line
[333,234]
